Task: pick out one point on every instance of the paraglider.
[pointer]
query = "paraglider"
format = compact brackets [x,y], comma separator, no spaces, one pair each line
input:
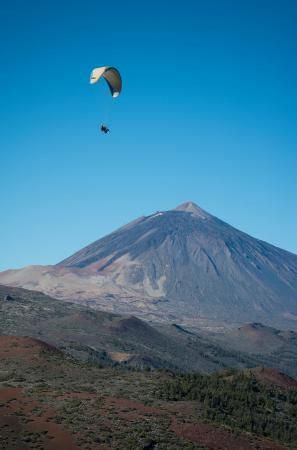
[104,129]
[114,81]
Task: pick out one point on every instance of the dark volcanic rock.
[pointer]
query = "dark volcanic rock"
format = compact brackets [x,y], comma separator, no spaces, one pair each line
[202,265]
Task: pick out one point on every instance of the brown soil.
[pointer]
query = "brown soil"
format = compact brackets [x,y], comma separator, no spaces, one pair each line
[130,409]
[216,438]
[276,377]
[21,415]
[23,347]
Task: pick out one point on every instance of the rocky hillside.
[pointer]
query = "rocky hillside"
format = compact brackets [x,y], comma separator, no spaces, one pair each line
[108,339]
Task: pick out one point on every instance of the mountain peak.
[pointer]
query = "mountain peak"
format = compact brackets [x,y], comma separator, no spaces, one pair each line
[192,208]
[182,265]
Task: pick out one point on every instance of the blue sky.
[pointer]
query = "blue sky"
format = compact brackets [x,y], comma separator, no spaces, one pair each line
[208,113]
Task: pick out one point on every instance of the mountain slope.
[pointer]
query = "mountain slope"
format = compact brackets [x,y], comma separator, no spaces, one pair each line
[200,263]
[104,337]
[93,335]
[183,265]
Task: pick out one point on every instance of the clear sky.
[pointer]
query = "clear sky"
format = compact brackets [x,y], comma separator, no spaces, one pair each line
[207,113]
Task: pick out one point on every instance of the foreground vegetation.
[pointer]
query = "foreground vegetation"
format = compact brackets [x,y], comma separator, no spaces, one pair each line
[49,400]
[239,400]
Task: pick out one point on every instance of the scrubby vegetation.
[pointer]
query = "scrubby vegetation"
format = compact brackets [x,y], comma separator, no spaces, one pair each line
[239,400]
[46,395]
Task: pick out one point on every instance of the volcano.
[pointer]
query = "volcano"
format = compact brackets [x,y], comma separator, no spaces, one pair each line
[182,265]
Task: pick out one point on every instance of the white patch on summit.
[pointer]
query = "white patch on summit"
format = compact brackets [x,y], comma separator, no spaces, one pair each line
[157,214]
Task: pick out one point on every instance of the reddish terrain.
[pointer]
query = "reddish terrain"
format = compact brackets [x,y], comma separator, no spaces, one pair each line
[38,426]
[44,407]
[275,377]
[218,438]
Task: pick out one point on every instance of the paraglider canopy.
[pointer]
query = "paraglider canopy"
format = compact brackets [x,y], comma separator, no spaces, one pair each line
[112,77]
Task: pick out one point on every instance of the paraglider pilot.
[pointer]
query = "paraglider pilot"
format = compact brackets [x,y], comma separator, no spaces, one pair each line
[104,129]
